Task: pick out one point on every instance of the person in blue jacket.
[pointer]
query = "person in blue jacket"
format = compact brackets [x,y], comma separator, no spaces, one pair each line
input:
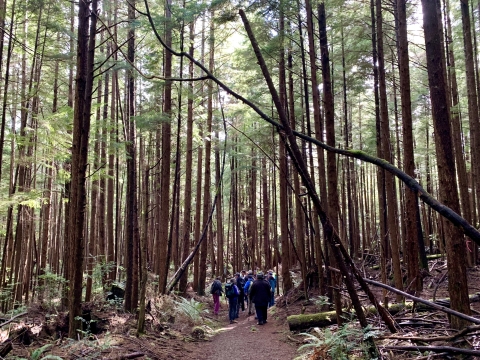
[247,293]
[273,284]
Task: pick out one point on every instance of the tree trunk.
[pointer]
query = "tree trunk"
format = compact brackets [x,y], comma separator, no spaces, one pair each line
[332,198]
[81,129]
[207,169]
[187,215]
[287,281]
[162,250]
[411,205]
[131,201]
[456,254]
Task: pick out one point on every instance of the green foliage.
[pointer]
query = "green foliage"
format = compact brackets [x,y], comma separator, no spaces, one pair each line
[90,349]
[320,301]
[86,333]
[38,352]
[51,286]
[99,273]
[192,308]
[6,293]
[340,344]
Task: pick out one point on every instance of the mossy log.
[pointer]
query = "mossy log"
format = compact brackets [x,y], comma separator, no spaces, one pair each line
[327,318]
[324,319]
[304,321]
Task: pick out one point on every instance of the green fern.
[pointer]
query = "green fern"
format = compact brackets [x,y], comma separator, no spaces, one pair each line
[38,352]
[340,343]
[192,308]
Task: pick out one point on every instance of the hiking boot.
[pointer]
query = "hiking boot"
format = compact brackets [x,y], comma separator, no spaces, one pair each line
[231,321]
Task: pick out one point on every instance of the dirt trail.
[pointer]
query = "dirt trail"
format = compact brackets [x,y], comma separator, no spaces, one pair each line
[247,340]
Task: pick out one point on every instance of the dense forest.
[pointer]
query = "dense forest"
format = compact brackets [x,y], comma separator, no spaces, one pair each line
[163,143]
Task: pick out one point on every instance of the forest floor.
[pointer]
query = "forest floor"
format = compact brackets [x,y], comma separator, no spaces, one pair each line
[163,340]
[174,331]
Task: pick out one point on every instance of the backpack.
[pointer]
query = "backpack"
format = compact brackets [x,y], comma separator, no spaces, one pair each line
[272,282]
[229,290]
[216,288]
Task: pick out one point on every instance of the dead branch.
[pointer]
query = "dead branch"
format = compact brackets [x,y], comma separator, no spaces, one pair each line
[453,337]
[130,356]
[13,318]
[426,302]
[447,349]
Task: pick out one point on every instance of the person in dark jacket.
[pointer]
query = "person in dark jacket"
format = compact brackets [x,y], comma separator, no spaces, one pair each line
[232,302]
[260,294]
[241,296]
[216,291]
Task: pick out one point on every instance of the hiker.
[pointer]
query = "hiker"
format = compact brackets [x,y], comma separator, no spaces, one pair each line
[231,293]
[241,296]
[248,284]
[273,285]
[216,291]
[260,294]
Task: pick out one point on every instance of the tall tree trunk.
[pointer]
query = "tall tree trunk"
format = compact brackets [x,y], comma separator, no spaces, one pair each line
[110,218]
[456,254]
[266,215]
[143,254]
[287,281]
[391,199]
[411,236]
[380,173]
[473,115]
[81,130]
[332,197]
[318,133]
[207,169]
[7,76]
[92,241]
[163,260]
[131,198]
[187,215]
[219,209]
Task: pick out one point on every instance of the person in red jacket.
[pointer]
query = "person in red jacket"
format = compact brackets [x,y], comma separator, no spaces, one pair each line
[260,293]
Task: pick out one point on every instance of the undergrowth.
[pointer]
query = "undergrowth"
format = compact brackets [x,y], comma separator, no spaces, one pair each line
[342,344]
[191,308]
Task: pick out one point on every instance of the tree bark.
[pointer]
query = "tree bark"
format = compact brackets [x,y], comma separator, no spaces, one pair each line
[456,254]
[411,236]
[187,215]
[81,130]
[162,250]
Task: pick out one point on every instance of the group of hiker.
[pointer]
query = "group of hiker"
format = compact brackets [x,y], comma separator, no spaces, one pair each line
[256,290]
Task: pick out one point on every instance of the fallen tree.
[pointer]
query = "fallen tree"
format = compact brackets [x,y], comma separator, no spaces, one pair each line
[327,318]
